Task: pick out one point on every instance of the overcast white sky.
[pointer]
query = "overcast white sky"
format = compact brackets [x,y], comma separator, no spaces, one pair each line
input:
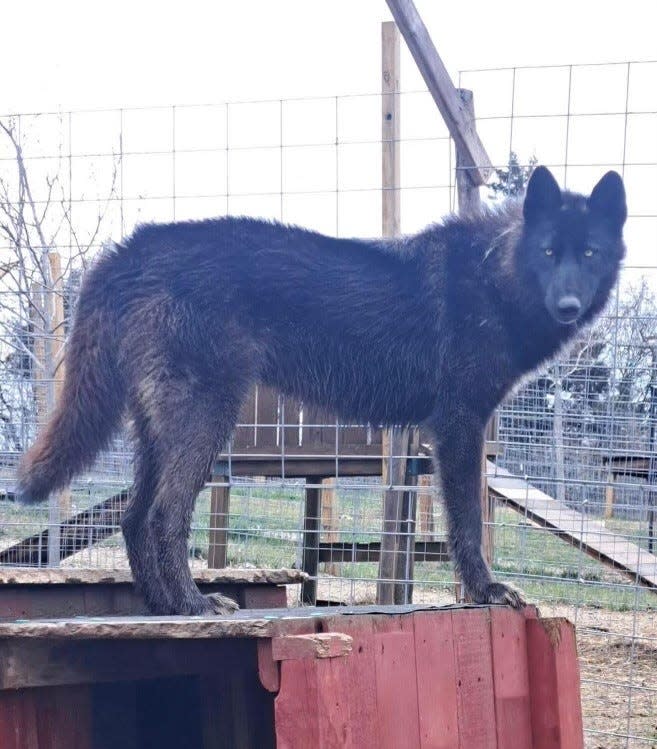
[126,52]
[73,55]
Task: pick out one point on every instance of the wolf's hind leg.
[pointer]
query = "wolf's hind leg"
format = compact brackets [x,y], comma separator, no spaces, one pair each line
[198,424]
[139,539]
[460,443]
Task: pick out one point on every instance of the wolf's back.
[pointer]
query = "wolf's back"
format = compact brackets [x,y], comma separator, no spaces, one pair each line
[91,403]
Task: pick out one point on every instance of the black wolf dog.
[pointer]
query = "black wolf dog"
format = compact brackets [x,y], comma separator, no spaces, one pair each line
[175,324]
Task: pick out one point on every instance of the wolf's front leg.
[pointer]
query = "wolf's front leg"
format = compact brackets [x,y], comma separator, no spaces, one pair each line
[459,442]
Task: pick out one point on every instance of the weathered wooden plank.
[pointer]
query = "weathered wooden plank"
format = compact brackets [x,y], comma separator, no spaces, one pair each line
[316,645]
[359,684]
[396,685]
[392,470]
[38,663]
[18,724]
[268,668]
[390,129]
[333,704]
[48,601]
[475,701]
[469,200]
[435,663]
[439,83]
[263,597]
[141,628]
[581,531]
[295,707]
[511,679]
[554,685]
[24,576]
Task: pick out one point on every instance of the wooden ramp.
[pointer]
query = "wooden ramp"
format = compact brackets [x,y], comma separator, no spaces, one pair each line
[580,530]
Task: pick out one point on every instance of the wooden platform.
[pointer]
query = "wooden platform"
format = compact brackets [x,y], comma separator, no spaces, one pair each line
[411,677]
[61,592]
[580,530]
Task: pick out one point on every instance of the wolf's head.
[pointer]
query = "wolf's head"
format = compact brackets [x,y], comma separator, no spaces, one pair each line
[571,246]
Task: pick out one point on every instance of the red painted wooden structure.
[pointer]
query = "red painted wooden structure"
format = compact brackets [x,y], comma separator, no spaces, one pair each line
[388,677]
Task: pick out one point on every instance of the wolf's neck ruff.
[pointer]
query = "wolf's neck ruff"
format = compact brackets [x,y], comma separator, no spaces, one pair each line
[175,324]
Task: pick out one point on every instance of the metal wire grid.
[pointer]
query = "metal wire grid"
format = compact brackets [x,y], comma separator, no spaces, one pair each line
[316,162]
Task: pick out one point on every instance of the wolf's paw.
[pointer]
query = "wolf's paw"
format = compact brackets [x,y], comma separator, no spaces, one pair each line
[221,605]
[500,593]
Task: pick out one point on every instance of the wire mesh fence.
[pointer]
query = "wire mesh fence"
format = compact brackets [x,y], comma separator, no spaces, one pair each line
[572,464]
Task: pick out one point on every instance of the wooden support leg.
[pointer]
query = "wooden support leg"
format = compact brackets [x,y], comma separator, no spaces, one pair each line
[219,517]
[425,507]
[330,520]
[392,503]
[311,524]
[609,497]
[405,560]
[487,515]
[393,473]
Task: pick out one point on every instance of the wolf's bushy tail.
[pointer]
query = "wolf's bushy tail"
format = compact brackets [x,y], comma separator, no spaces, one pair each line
[91,403]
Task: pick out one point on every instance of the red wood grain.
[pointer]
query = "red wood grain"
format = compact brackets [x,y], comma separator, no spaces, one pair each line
[511,679]
[47,718]
[295,706]
[396,684]
[334,698]
[358,671]
[554,685]
[435,665]
[474,686]
[267,666]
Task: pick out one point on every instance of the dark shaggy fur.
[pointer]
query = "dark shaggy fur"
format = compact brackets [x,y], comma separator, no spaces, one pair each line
[176,324]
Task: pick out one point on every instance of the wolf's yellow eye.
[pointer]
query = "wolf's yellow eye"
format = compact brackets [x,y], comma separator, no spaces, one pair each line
[549,251]
[588,252]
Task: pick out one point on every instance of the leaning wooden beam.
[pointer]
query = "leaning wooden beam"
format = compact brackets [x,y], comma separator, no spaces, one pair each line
[460,124]
[77,533]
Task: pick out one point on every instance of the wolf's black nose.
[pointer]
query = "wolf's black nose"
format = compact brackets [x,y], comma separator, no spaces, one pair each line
[569,307]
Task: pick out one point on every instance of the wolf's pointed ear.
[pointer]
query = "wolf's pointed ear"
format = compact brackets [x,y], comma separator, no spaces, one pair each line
[608,200]
[543,196]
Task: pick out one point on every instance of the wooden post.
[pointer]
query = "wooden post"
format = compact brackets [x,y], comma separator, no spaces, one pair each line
[47,318]
[330,521]
[392,439]
[459,123]
[390,129]
[57,352]
[219,517]
[425,507]
[57,322]
[38,351]
[405,558]
[609,496]
[310,560]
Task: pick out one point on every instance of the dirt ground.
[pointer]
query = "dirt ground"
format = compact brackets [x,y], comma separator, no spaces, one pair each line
[618,664]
